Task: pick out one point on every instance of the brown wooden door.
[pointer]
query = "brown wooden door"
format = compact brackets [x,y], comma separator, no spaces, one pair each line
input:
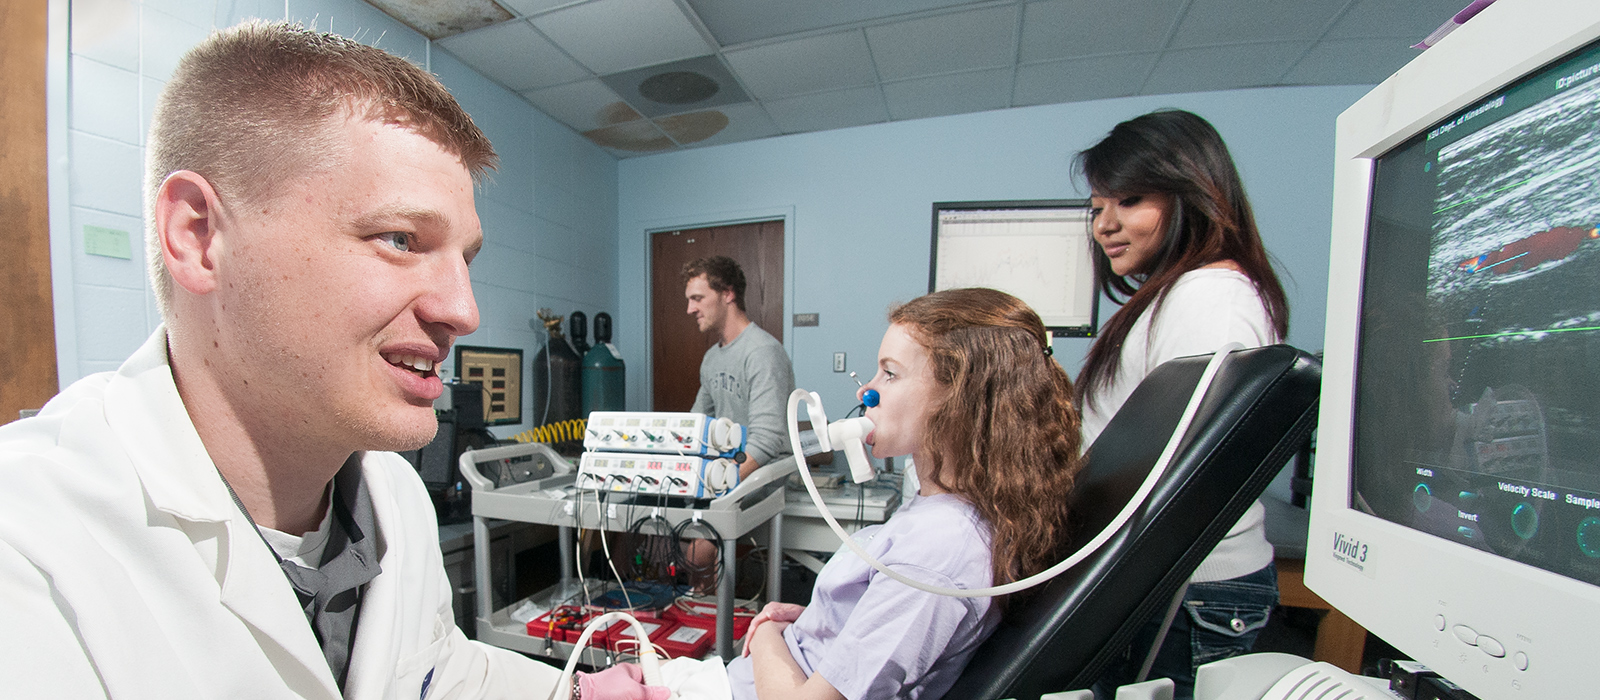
[678,344]
[27,319]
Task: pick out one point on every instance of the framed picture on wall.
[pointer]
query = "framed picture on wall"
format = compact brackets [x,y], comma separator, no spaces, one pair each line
[498,372]
[1035,250]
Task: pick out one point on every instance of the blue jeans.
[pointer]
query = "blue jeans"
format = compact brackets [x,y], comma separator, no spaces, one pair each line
[1218,619]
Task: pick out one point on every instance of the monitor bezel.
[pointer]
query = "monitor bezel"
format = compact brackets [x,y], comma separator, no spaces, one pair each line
[1409,581]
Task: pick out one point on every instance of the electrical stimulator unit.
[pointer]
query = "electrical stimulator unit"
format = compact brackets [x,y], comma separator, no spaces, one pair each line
[670,475]
[675,454]
[668,433]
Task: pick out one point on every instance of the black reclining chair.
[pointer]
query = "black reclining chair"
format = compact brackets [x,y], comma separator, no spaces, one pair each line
[1258,413]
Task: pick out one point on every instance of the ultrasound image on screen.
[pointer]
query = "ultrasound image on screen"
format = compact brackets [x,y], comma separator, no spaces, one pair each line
[1478,377]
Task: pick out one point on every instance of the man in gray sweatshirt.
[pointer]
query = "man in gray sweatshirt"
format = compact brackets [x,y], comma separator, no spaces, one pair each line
[746,377]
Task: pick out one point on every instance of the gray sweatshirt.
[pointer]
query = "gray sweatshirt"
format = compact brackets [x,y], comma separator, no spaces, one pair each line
[748,381]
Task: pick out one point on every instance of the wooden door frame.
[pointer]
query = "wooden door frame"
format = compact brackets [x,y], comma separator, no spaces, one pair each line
[694,221]
[58,60]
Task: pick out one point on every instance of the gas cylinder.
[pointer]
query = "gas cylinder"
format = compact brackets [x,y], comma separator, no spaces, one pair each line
[578,332]
[604,375]
[557,376]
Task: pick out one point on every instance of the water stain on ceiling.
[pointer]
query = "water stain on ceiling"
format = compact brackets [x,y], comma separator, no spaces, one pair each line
[437,20]
[644,136]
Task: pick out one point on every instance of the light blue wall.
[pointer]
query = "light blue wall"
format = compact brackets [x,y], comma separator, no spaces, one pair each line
[860,200]
[566,223]
[549,213]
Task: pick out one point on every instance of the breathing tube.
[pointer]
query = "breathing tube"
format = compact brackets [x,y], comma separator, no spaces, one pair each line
[649,662]
[850,432]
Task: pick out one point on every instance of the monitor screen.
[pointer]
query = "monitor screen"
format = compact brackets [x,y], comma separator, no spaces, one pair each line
[1038,251]
[1477,411]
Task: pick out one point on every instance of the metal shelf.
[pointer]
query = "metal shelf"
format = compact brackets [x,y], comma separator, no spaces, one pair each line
[504,632]
[554,500]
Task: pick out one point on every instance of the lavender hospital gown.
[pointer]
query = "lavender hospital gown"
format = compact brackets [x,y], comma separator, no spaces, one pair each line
[873,637]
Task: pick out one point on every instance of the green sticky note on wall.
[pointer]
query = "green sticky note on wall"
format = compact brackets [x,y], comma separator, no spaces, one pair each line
[109,242]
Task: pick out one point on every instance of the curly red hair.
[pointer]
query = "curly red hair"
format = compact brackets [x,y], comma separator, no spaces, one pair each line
[1005,435]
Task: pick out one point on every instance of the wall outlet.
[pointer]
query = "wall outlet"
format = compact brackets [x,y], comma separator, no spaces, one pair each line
[838,362]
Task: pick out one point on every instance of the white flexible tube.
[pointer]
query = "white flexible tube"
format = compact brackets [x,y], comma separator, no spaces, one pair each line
[648,661]
[1105,535]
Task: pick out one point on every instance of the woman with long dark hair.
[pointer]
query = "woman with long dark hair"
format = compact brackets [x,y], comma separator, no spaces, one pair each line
[967,387]
[1176,242]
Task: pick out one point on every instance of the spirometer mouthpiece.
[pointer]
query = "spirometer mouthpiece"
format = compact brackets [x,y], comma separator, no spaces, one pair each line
[847,435]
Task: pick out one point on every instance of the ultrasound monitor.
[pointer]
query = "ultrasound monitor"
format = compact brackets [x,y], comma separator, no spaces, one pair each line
[1456,506]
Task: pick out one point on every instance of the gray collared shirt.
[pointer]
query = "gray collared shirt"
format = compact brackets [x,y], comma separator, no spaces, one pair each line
[331,593]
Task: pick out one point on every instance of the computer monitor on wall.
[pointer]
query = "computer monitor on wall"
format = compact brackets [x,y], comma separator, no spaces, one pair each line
[1456,507]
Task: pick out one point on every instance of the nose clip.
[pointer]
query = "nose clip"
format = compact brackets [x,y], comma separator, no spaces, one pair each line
[869,398]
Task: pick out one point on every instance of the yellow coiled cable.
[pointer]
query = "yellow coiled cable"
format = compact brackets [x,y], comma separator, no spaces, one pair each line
[564,431]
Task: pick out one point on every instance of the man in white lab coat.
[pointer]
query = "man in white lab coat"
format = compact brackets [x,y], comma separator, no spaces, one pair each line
[223,516]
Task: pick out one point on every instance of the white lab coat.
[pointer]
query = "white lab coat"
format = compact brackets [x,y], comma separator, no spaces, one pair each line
[126,570]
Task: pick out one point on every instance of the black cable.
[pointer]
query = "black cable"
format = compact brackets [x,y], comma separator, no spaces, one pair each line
[651,557]
[600,498]
[633,497]
[861,505]
[708,533]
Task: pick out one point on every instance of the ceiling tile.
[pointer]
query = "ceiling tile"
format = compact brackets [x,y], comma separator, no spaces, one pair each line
[634,138]
[1080,79]
[746,122]
[1218,22]
[1074,28]
[1412,19]
[951,57]
[813,64]
[583,106]
[1351,62]
[690,85]
[514,55]
[693,127]
[739,21]
[437,20]
[525,8]
[829,110]
[1223,67]
[945,43]
[960,93]
[609,36]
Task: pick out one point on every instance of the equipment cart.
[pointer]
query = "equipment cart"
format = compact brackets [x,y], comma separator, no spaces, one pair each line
[549,496]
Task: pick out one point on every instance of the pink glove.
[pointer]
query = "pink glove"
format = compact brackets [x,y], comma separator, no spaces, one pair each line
[620,682]
[774,612]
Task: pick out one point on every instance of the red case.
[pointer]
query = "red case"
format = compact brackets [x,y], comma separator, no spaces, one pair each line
[687,640]
[601,637]
[621,634]
[673,612]
[539,627]
[741,623]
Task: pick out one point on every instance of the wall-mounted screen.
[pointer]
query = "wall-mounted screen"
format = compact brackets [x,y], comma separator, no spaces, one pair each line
[1037,251]
[498,372]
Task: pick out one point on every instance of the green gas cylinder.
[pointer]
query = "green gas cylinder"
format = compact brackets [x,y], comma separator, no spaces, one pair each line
[604,375]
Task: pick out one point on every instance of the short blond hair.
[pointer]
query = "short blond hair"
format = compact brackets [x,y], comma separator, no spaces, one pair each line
[252,105]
